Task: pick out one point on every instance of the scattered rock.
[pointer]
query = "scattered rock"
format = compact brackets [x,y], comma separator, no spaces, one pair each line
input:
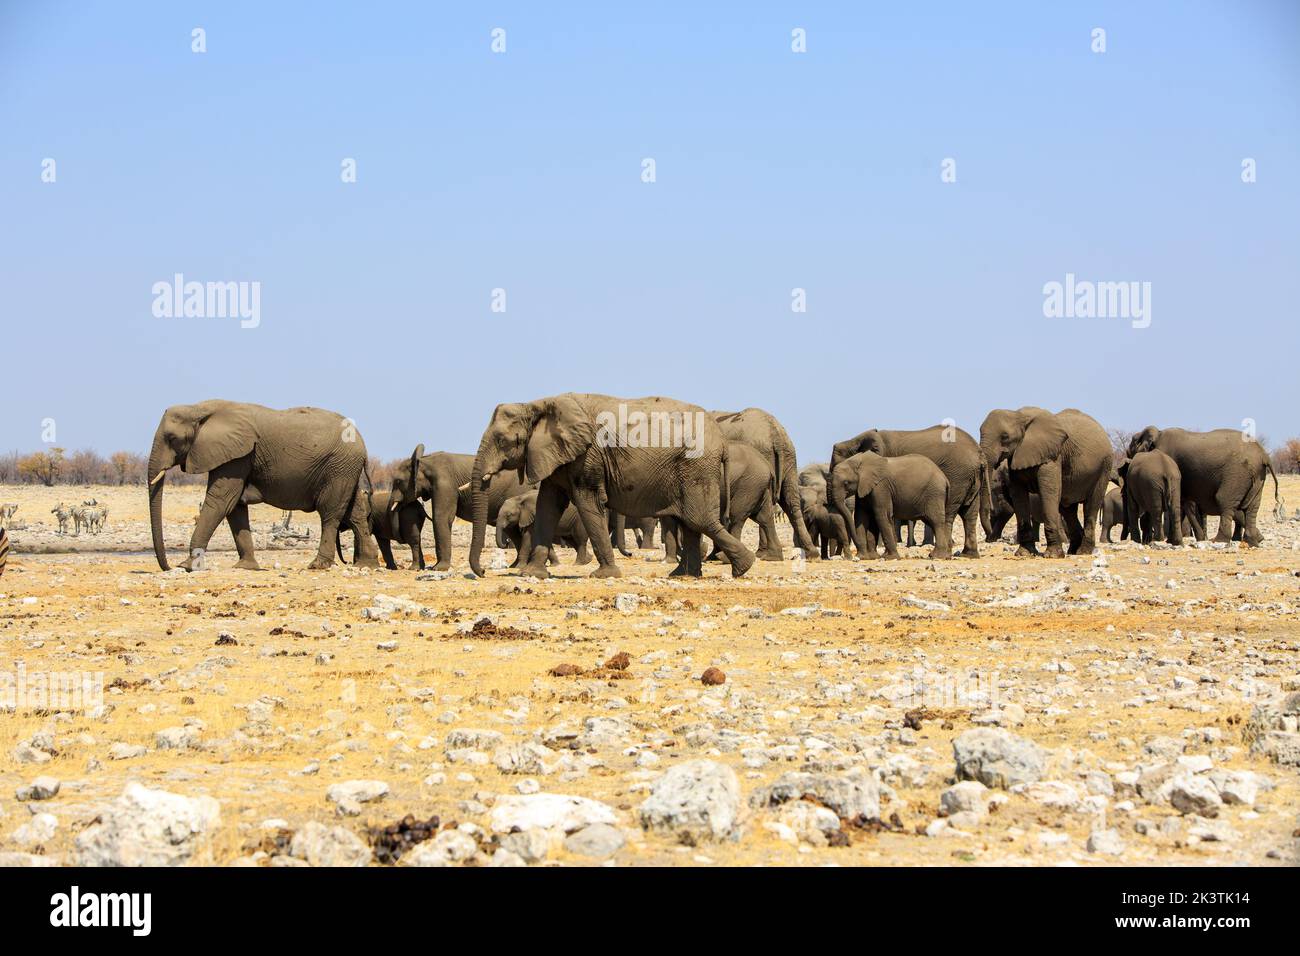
[696,800]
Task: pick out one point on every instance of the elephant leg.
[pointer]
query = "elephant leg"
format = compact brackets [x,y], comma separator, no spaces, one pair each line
[1226,501]
[580,545]
[225,487]
[769,545]
[386,550]
[594,520]
[882,510]
[1026,526]
[551,556]
[443,504]
[330,519]
[1049,493]
[243,535]
[689,566]
[1073,530]
[702,504]
[365,554]
[515,537]
[940,527]
[788,499]
[413,539]
[670,534]
[618,533]
[969,523]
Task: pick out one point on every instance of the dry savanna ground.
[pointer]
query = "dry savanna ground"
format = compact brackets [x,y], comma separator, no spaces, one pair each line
[1112,699]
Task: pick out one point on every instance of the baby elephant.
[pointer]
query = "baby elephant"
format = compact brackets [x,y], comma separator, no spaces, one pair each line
[1153,497]
[409,520]
[515,520]
[825,527]
[890,490]
[1112,513]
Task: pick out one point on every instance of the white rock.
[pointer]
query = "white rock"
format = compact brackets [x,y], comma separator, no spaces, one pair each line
[146,827]
[548,811]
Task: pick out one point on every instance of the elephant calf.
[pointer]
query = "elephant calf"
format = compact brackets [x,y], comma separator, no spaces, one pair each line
[888,490]
[1112,513]
[1153,497]
[829,532]
[515,520]
[407,521]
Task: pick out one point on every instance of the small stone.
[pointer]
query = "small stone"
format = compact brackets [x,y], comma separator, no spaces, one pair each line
[320,845]
[997,758]
[1107,842]
[42,788]
[1195,794]
[599,841]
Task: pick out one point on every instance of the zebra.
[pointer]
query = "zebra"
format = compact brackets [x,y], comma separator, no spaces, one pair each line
[6,513]
[4,550]
[63,514]
[94,519]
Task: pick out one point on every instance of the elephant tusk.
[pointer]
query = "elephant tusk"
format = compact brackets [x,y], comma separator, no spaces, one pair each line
[158,477]
[465,487]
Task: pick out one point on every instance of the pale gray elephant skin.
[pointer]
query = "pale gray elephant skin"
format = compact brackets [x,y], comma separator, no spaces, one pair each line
[295,459]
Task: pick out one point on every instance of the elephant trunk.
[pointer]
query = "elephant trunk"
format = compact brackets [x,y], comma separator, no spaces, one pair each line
[160,459]
[986,498]
[478,483]
[841,506]
[394,524]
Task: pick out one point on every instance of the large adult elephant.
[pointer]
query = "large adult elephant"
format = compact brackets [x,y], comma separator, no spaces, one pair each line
[1223,473]
[957,456]
[1064,457]
[762,432]
[443,479]
[642,457]
[296,459]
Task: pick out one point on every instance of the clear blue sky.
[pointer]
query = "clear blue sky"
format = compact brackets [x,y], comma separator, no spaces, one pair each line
[775,170]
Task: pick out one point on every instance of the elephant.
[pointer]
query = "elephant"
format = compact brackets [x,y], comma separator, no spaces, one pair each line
[1113,513]
[750,480]
[957,456]
[904,487]
[1065,457]
[443,479]
[1004,511]
[409,521]
[515,520]
[825,527]
[1153,497]
[645,457]
[1223,473]
[761,431]
[296,459]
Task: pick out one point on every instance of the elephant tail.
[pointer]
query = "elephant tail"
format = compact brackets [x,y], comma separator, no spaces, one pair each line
[338,545]
[986,498]
[726,488]
[1279,510]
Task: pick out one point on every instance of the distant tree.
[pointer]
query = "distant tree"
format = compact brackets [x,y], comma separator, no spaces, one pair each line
[381,472]
[1286,457]
[42,466]
[128,467]
[1119,439]
[85,467]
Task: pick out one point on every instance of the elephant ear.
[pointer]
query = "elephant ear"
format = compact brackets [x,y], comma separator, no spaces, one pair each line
[871,472]
[224,435]
[871,441]
[415,469]
[1122,471]
[1042,441]
[527,512]
[561,432]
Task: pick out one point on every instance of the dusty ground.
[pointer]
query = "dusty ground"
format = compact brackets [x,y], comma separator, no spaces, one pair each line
[289,684]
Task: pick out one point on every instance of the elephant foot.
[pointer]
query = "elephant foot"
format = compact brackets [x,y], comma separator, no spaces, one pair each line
[366,561]
[682,571]
[892,556]
[1055,551]
[1086,548]
[741,564]
[248,564]
[969,553]
[320,563]
[938,555]
[534,570]
[443,566]
[607,571]
[1024,551]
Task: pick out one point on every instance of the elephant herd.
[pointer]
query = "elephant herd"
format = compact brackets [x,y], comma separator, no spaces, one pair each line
[578,469]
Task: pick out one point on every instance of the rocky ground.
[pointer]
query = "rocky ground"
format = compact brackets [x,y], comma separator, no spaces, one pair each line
[1138,707]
